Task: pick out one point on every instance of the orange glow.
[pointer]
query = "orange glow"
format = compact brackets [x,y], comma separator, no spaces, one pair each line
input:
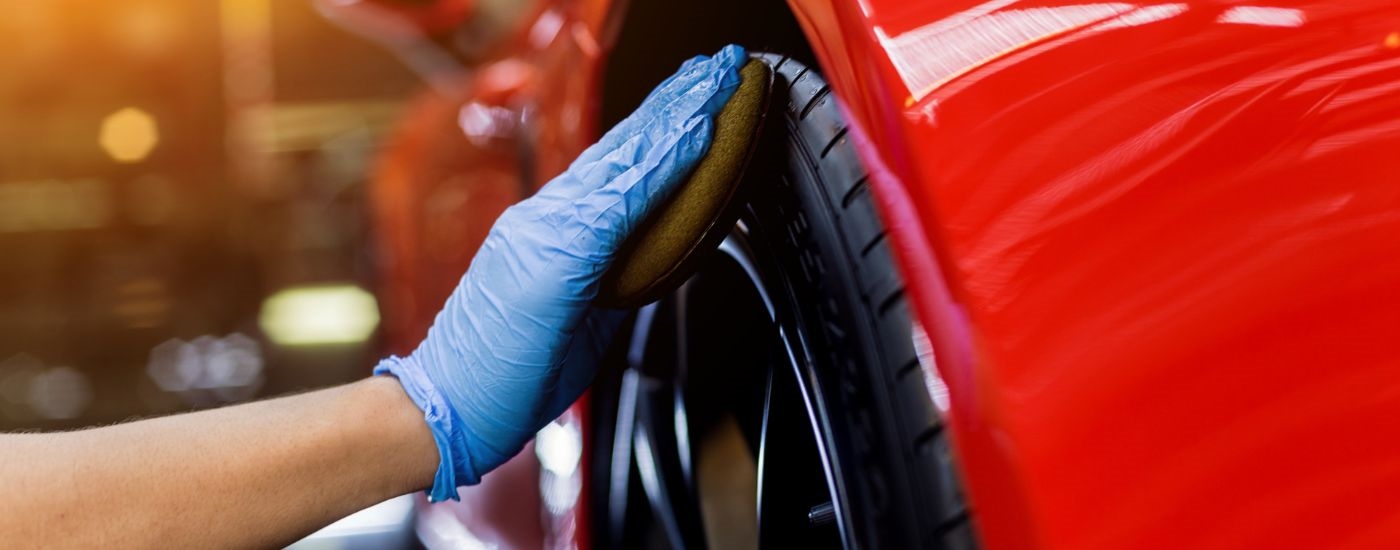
[129,135]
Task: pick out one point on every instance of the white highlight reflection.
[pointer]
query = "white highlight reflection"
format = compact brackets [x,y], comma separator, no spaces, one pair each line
[1143,16]
[928,365]
[1263,16]
[930,55]
[559,448]
[384,525]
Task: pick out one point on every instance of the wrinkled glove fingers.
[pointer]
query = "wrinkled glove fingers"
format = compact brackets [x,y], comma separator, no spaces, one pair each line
[700,89]
[702,98]
[690,73]
[624,201]
[673,88]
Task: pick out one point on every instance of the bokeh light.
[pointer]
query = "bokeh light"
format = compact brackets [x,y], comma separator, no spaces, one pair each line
[320,315]
[29,389]
[170,165]
[208,370]
[129,135]
[60,393]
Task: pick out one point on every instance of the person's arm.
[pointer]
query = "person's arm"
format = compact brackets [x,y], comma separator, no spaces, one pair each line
[258,475]
[516,343]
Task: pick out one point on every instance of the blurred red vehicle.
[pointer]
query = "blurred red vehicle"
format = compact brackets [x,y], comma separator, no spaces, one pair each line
[1154,249]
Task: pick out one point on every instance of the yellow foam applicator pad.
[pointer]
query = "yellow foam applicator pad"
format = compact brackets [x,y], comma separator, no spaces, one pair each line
[662,253]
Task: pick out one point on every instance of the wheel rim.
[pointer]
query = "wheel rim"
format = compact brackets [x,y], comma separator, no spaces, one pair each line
[719,415]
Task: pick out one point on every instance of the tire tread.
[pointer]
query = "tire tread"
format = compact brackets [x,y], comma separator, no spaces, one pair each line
[904,437]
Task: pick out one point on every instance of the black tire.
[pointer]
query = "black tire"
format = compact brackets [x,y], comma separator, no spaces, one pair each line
[894,456]
[812,228]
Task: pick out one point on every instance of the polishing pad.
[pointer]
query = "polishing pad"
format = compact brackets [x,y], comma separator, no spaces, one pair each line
[663,252]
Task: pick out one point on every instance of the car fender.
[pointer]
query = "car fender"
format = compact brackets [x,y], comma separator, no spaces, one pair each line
[1152,245]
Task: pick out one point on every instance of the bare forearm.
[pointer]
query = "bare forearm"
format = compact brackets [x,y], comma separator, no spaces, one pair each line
[254,475]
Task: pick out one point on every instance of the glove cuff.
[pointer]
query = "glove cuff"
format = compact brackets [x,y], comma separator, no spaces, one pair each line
[454,462]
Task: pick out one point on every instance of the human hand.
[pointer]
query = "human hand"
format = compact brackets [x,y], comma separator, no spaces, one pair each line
[519,340]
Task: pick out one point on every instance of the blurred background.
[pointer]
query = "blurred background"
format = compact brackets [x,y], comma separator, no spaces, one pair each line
[182,217]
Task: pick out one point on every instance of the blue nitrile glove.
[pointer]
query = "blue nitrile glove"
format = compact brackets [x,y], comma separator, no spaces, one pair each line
[518,341]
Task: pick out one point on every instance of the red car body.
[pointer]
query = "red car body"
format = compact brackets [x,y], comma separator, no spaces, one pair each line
[1156,246]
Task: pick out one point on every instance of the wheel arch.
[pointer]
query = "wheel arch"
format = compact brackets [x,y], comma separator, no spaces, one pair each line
[656,36]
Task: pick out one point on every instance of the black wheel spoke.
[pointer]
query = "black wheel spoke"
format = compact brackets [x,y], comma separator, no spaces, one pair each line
[788,463]
[690,388]
[661,440]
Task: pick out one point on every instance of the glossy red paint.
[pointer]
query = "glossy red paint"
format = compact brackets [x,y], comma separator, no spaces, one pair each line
[1167,277]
